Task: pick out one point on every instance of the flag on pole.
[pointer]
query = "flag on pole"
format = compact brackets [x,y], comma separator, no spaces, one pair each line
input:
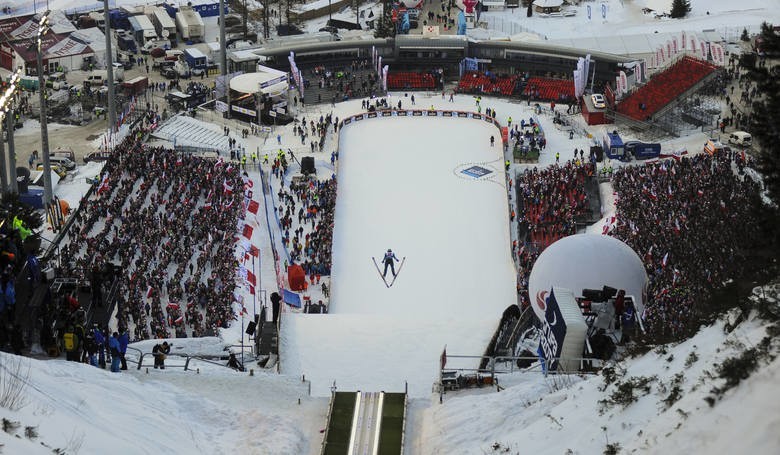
[226,187]
[253,207]
[247,232]
[665,260]
[103,185]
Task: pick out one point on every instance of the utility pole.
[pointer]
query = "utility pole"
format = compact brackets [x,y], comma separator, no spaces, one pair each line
[13,187]
[109,71]
[6,98]
[3,170]
[47,190]
[223,53]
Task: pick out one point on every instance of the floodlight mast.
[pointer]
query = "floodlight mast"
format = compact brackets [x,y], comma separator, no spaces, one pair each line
[43,28]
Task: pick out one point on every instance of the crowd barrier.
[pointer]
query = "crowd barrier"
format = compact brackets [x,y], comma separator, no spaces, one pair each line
[417,113]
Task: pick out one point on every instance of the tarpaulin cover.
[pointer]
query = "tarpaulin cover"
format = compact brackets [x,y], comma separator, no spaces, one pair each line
[291,298]
[296,277]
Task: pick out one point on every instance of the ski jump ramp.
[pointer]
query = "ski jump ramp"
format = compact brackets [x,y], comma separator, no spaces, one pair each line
[433,190]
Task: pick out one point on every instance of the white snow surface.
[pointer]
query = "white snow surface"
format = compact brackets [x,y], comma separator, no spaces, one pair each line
[556,415]
[168,412]
[401,187]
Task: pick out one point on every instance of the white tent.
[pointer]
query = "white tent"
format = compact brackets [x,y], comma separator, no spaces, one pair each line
[587,261]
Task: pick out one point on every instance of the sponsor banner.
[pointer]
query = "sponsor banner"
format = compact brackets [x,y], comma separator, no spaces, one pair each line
[346,121]
[447,114]
[220,106]
[417,113]
[553,333]
[387,113]
[476,116]
[463,114]
[432,113]
[372,115]
[402,113]
[358,118]
[243,110]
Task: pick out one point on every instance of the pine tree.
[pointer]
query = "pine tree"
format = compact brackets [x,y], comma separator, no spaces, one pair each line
[766,116]
[384,26]
[680,8]
[745,35]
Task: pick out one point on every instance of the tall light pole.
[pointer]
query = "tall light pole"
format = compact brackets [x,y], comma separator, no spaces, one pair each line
[10,121]
[223,53]
[6,113]
[109,70]
[47,190]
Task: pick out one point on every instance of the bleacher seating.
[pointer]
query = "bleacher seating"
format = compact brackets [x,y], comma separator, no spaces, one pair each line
[474,82]
[664,87]
[547,89]
[410,81]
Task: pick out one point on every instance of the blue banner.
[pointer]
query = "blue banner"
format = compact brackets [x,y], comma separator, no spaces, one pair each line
[291,298]
[553,334]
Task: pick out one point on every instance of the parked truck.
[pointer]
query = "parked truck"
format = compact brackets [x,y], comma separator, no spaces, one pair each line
[136,85]
[613,146]
[196,60]
[126,43]
[143,30]
[164,25]
[642,150]
[190,24]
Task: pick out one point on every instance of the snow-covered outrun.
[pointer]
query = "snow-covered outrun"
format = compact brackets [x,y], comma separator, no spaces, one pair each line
[400,187]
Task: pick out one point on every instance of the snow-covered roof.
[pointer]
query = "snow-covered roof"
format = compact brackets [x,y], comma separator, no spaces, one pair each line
[548,3]
[263,81]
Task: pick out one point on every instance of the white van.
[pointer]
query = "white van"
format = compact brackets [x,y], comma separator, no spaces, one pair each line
[62,162]
[740,138]
[96,78]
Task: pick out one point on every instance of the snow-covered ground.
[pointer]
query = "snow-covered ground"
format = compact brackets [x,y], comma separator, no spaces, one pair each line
[401,187]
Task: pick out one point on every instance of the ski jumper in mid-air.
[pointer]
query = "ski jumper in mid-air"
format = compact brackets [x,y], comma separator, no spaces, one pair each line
[388,260]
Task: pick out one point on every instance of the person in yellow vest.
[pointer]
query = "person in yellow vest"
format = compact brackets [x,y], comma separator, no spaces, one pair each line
[70,342]
[243,162]
[265,159]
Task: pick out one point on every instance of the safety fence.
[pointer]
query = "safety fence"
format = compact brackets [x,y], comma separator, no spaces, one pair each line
[187,358]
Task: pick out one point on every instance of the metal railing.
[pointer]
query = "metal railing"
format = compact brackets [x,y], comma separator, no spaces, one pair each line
[187,359]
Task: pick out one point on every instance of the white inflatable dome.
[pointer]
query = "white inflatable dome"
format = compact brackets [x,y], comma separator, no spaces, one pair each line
[587,261]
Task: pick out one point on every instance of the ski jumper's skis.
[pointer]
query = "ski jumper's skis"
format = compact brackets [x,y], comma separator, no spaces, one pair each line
[379,271]
[398,272]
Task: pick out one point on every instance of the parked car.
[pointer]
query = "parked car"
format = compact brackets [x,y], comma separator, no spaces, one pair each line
[60,171]
[598,101]
[96,156]
[741,138]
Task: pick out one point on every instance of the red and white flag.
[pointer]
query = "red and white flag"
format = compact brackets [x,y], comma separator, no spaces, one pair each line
[664,260]
[103,185]
[253,207]
[226,187]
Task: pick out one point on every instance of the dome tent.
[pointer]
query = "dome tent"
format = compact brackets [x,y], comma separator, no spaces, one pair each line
[587,261]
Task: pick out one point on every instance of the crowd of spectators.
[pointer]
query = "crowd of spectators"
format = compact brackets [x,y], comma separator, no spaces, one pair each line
[306,218]
[549,201]
[692,221]
[168,222]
